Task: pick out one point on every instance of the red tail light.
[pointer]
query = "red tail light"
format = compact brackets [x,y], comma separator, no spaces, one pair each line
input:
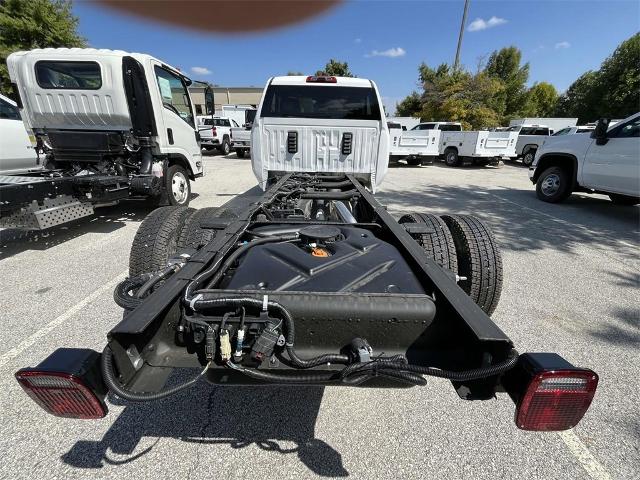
[214,132]
[68,383]
[61,394]
[321,79]
[556,400]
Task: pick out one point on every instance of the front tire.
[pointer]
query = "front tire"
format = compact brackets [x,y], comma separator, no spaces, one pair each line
[553,185]
[178,186]
[528,157]
[479,260]
[451,157]
[624,199]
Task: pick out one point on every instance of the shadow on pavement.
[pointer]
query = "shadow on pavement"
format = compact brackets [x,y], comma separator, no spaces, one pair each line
[237,417]
[104,220]
[521,222]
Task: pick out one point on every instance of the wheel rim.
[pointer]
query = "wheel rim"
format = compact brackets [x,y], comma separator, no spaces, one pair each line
[179,187]
[550,184]
[225,148]
[528,159]
[451,157]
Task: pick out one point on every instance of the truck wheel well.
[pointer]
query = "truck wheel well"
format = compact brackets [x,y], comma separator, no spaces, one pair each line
[177,159]
[567,162]
[529,147]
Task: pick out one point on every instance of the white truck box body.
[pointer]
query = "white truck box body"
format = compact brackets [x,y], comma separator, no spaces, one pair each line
[480,144]
[319,139]
[554,123]
[424,143]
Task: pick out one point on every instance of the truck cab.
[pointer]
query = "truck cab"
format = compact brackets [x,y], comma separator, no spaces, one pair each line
[17,146]
[320,124]
[607,161]
[442,126]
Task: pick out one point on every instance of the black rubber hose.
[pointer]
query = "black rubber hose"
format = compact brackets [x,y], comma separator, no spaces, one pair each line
[156,277]
[274,377]
[122,294]
[115,386]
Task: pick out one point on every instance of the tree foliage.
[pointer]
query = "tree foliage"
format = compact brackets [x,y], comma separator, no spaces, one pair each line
[540,100]
[504,65]
[336,68]
[612,91]
[410,106]
[29,24]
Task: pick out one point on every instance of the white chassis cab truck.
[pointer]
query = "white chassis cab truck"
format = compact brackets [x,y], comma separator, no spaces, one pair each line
[320,124]
[110,125]
[607,161]
[478,147]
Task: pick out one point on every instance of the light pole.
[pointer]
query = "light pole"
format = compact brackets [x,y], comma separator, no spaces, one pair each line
[456,64]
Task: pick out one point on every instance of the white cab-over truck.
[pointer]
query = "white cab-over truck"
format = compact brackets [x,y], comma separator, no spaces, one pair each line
[320,124]
[606,161]
[110,125]
[17,146]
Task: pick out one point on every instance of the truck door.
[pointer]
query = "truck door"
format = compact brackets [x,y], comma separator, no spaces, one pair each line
[615,166]
[177,128]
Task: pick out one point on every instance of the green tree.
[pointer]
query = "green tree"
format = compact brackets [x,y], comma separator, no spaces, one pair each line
[541,100]
[504,64]
[581,98]
[409,106]
[336,68]
[29,24]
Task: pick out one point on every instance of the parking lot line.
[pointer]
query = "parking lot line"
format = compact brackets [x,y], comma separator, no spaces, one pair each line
[580,451]
[32,339]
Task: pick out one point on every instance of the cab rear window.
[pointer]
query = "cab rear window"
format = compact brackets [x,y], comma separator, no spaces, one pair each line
[312,101]
[68,75]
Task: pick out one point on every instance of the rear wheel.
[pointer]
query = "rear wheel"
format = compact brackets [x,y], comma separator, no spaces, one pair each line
[193,234]
[434,238]
[623,199]
[414,161]
[553,185]
[225,147]
[479,260]
[527,158]
[240,152]
[157,239]
[451,157]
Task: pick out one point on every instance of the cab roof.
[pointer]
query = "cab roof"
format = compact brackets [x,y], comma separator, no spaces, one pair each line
[340,81]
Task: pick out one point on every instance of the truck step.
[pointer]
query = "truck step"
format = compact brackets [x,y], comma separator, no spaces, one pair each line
[52,212]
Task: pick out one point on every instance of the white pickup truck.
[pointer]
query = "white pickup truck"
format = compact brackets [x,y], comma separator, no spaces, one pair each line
[320,124]
[607,161]
[241,136]
[215,132]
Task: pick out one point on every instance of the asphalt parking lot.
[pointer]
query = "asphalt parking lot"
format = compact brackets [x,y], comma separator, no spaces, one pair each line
[571,286]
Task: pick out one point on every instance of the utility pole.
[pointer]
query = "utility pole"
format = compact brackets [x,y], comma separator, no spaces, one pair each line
[456,64]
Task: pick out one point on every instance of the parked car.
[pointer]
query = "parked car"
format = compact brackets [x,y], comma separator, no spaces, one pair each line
[17,146]
[215,132]
[607,161]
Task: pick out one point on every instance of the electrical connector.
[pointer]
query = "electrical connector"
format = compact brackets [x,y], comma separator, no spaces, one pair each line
[265,343]
[225,346]
[239,341]
[210,344]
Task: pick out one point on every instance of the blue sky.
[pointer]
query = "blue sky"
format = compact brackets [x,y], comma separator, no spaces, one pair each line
[384,40]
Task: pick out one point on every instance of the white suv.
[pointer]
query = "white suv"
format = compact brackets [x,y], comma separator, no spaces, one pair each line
[607,161]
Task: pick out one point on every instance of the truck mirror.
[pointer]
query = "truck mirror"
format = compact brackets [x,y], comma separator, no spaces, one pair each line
[209,101]
[600,132]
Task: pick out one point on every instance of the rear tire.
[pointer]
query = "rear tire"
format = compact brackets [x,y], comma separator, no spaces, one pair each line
[479,260]
[553,185]
[528,157]
[240,152]
[414,161]
[192,234]
[451,157]
[624,199]
[438,243]
[225,147]
[157,239]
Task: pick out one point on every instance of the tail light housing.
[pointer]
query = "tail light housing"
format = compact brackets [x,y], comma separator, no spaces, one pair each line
[550,393]
[67,384]
[214,132]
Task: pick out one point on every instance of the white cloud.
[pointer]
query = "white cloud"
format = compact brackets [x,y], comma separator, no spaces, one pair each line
[480,24]
[358,40]
[564,44]
[390,52]
[201,70]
